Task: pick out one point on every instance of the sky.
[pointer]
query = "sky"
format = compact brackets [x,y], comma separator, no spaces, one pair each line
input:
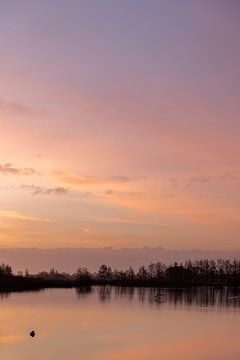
[119,124]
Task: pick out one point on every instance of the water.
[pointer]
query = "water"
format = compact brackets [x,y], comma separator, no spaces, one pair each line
[110,323]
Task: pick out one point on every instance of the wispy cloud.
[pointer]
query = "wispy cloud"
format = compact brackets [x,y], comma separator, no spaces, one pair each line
[10,169]
[87,231]
[76,179]
[110,192]
[42,190]
[220,179]
[20,216]
[18,108]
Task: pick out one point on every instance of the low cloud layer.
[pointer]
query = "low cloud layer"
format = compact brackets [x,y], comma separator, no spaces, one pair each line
[69,259]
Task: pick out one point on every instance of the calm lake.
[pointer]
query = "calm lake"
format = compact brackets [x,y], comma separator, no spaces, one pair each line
[112,323]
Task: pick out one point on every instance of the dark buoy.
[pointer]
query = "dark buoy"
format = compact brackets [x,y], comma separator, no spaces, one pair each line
[32,333]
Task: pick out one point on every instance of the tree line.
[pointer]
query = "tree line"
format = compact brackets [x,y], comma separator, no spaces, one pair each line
[190,273]
[198,272]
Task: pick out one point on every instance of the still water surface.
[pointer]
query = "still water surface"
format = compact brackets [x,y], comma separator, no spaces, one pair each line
[111,323]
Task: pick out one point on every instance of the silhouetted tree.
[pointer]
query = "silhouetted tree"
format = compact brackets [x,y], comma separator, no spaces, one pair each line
[83,276]
[130,274]
[5,270]
[104,273]
[142,273]
[26,273]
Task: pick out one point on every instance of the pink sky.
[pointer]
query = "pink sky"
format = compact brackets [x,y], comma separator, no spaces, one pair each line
[119,124]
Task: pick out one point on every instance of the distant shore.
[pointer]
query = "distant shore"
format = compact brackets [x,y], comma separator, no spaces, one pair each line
[190,274]
[20,283]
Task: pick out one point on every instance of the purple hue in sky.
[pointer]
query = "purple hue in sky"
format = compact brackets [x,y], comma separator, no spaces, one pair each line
[119,124]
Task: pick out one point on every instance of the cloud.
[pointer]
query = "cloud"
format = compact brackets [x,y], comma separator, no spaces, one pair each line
[68,258]
[42,190]
[137,220]
[204,179]
[88,231]
[18,108]
[20,216]
[109,192]
[125,193]
[91,180]
[9,169]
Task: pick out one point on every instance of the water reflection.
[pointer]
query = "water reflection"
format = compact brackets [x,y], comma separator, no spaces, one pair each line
[4,295]
[124,292]
[84,291]
[115,323]
[196,296]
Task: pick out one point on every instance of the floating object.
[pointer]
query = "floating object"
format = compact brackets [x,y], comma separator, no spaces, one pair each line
[159,294]
[32,333]
[159,297]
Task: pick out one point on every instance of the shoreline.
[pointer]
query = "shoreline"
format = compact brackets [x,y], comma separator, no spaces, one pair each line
[17,283]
